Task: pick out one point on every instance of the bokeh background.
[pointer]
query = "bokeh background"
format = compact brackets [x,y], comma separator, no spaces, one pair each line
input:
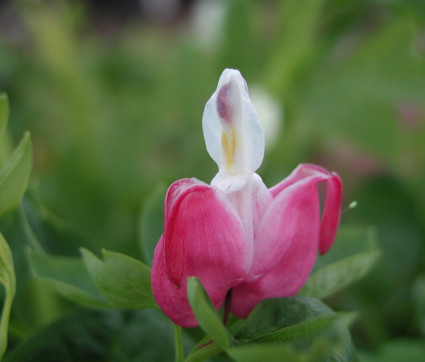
[113,95]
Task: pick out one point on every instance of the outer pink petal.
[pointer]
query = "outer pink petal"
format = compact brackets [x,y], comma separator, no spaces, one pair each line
[331,213]
[287,244]
[289,236]
[292,218]
[332,208]
[203,237]
[302,171]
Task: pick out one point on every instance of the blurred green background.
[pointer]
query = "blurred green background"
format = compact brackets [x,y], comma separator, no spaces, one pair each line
[113,95]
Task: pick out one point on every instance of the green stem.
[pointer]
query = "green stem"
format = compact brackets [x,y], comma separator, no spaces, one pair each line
[178,344]
[4,322]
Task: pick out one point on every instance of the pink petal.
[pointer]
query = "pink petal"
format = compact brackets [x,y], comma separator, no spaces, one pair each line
[331,213]
[203,237]
[302,171]
[284,280]
[292,218]
[290,233]
[332,208]
[286,249]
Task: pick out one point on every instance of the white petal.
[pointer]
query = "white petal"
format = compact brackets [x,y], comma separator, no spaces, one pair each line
[230,110]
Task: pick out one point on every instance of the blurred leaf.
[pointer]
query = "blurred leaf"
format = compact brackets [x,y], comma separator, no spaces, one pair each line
[338,275]
[4,113]
[206,315]
[294,44]
[124,281]
[418,295]
[350,241]
[7,278]
[265,352]
[152,222]
[14,176]
[397,350]
[68,276]
[101,335]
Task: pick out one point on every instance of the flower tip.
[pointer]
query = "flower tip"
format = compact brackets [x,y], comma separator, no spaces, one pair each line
[229,93]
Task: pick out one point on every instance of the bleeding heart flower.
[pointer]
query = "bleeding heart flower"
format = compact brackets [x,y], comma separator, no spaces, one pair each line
[236,234]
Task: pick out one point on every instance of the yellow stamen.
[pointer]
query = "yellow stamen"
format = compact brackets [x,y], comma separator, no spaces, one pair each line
[229,148]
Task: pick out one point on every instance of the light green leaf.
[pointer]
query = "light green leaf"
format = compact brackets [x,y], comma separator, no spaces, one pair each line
[124,281]
[340,274]
[14,176]
[7,278]
[152,222]
[4,113]
[206,315]
[68,276]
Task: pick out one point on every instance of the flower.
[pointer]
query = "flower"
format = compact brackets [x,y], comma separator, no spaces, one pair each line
[235,233]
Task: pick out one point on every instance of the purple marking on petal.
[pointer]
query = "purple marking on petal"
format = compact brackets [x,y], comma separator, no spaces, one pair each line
[224,105]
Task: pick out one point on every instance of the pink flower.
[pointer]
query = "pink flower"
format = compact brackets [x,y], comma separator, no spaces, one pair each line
[235,233]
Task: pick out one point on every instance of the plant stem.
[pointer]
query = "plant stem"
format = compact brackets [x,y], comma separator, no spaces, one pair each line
[178,344]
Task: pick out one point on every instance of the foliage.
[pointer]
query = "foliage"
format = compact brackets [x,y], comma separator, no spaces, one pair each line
[115,116]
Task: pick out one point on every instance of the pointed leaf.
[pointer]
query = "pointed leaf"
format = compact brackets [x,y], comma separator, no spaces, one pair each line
[206,315]
[124,281]
[340,274]
[68,276]
[14,176]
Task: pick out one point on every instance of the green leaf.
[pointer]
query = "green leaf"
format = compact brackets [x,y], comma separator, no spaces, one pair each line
[418,296]
[14,176]
[152,222]
[7,278]
[274,314]
[297,323]
[396,350]
[68,276]
[124,281]
[206,315]
[340,274]
[101,335]
[350,240]
[4,113]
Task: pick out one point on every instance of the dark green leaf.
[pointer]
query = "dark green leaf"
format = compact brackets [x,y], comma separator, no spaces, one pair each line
[298,323]
[124,281]
[397,350]
[101,335]
[418,295]
[273,314]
